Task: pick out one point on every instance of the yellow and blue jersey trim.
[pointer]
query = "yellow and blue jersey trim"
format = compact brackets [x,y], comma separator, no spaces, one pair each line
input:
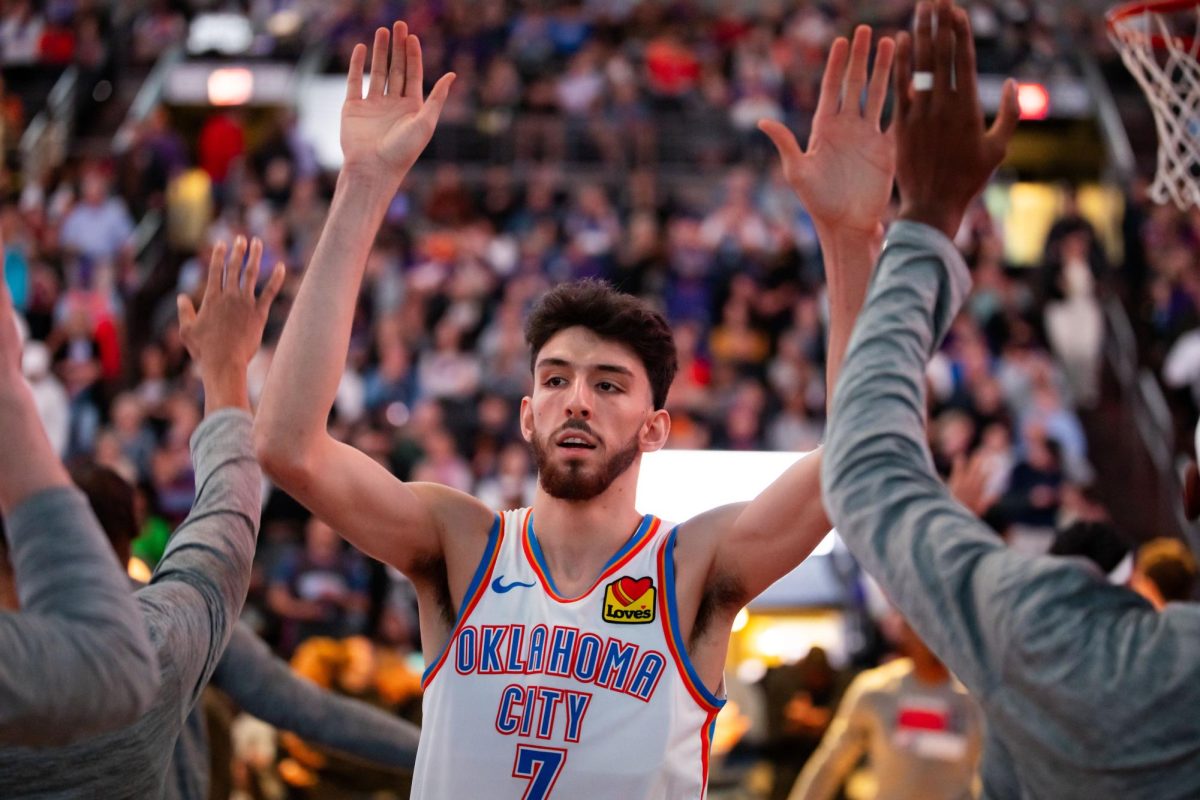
[644,532]
[475,590]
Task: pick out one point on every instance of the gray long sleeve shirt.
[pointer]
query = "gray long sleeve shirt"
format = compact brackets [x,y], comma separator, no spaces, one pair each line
[266,687]
[76,660]
[189,608]
[1088,692]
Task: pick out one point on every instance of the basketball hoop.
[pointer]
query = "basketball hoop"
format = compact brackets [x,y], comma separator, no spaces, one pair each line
[1159,43]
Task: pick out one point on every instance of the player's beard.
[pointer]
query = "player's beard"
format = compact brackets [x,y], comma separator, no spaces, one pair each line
[571,481]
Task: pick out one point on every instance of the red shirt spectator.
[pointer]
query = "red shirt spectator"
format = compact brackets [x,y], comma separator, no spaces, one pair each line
[673,69]
[222,141]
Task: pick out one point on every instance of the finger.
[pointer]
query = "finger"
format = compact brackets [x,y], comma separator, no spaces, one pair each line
[396,69]
[877,92]
[354,77]
[274,283]
[250,274]
[922,53]
[783,139]
[216,266]
[233,269]
[964,59]
[379,63]
[187,311]
[1005,124]
[943,51]
[414,85]
[902,78]
[437,96]
[856,73]
[831,81]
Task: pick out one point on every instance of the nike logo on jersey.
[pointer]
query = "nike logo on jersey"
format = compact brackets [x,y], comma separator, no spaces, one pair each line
[499,587]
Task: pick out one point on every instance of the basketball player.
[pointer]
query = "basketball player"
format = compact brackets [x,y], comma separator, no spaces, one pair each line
[576,646]
[1088,692]
[75,660]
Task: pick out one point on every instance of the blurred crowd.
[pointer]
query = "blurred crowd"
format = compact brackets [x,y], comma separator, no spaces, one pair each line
[438,364]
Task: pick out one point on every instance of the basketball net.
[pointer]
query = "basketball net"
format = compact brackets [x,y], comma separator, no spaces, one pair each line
[1164,63]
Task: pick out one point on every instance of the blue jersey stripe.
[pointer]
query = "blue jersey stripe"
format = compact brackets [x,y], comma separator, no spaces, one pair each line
[489,553]
[668,589]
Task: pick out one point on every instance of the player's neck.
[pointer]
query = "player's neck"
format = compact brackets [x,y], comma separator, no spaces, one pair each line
[578,538]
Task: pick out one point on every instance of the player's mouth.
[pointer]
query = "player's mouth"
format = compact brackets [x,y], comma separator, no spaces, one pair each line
[575,441]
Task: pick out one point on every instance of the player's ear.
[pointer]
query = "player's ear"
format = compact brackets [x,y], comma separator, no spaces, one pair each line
[655,431]
[527,418]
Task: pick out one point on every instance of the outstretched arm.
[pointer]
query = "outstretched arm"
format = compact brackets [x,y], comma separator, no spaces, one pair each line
[198,588]
[267,688]
[1042,643]
[844,180]
[76,660]
[381,135]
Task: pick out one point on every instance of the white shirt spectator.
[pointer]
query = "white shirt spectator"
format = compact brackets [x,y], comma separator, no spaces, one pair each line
[49,396]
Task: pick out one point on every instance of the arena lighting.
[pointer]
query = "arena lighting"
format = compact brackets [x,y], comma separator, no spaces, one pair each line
[676,485]
[1033,100]
[230,86]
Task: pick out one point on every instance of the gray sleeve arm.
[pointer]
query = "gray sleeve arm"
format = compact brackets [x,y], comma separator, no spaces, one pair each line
[842,746]
[76,661]
[1041,642]
[267,688]
[197,591]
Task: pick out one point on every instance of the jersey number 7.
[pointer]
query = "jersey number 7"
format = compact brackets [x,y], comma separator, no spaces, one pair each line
[540,766]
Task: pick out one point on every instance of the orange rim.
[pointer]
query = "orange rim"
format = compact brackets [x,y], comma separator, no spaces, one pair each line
[1122,13]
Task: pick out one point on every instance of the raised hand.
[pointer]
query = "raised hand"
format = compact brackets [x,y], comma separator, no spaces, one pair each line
[845,177]
[944,153]
[383,133]
[225,334]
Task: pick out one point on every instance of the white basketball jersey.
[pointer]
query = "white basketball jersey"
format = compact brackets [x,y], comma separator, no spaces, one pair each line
[539,696]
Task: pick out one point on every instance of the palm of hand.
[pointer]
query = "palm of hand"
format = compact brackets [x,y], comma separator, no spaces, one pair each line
[384,132]
[845,178]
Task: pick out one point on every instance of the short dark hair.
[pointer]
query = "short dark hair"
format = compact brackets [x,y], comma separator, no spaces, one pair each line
[611,315]
[111,499]
[1098,542]
[1169,565]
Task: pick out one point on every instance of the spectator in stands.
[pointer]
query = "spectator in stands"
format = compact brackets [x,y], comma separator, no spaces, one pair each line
[801,699]
[98,226]
[919,729]
[20,33]
[49,396]
[320,589]
[1164,571]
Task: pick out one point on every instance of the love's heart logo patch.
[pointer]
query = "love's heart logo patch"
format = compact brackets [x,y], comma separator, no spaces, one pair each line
[629,601]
